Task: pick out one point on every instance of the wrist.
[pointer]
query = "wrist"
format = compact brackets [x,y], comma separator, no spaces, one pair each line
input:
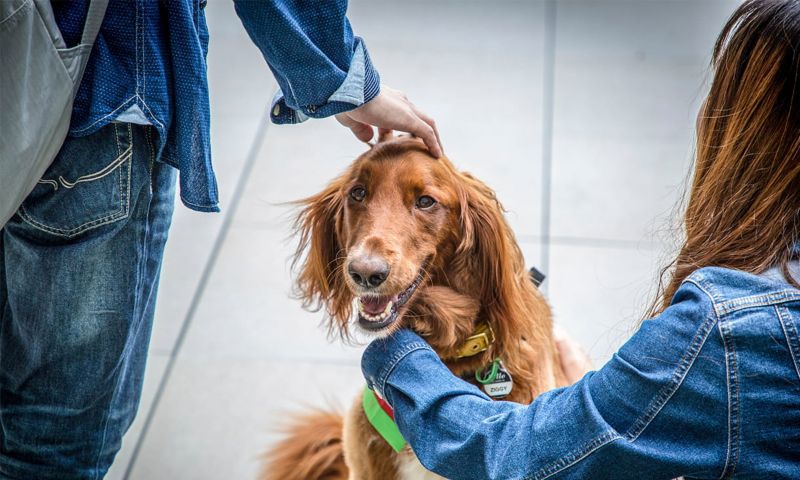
[382,355]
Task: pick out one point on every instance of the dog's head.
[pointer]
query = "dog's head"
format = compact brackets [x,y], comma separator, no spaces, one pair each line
[402,238]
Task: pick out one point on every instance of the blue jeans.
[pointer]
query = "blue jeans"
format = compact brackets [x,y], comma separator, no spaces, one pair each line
[79,267]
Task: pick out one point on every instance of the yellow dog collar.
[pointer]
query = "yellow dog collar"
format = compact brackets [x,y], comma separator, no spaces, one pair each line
[478,342]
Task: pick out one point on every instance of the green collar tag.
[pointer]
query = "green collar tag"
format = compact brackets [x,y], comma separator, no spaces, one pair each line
[490,375]
[381,421]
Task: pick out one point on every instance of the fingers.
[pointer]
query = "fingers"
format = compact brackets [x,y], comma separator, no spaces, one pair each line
[391,110]
[436,150]
[362,131]
[426,132]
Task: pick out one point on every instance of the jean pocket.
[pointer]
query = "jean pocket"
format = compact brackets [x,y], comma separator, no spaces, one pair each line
[87,186]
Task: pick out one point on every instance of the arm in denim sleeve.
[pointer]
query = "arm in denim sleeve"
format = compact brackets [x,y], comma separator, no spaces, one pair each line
[322,69]
[634,418]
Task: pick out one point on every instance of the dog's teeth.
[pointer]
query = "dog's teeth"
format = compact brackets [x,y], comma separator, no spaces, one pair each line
[378,317]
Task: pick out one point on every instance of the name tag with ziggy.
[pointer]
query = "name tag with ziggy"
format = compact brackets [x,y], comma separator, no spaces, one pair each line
[495,379]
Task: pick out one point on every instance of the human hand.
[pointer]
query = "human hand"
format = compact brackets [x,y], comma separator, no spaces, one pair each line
[575,362]
[391,110]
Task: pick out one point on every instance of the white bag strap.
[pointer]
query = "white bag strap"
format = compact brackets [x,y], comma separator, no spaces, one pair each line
[94,18]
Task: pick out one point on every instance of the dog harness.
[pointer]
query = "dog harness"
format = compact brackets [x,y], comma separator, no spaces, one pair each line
[381,417]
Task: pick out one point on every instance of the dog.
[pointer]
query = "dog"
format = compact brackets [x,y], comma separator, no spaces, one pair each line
[403,239]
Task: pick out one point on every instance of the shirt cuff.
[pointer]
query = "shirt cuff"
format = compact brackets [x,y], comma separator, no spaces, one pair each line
[361,85]
[382,355]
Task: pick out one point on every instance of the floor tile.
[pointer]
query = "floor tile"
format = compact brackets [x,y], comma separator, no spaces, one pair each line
[629,78]
[599,294]
[248,310]
[619,29]
[240,82]
[189,245]
[238,103]
[219,415]
[193,234]
[295,162]
[628,190]
[156,365]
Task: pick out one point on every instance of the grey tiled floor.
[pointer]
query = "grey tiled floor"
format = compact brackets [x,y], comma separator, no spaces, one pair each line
[579,114]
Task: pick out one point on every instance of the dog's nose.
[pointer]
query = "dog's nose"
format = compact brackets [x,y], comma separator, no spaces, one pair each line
[368,272]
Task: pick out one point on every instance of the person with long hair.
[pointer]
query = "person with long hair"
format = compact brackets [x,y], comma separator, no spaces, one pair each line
[709,385]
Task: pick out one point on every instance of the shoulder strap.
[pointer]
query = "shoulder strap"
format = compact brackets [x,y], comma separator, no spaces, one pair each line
[94,18]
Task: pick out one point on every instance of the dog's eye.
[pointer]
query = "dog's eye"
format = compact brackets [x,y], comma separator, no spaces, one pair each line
[425,201]
[358,193]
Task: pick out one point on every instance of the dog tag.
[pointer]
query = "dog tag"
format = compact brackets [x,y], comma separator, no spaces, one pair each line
[495,379]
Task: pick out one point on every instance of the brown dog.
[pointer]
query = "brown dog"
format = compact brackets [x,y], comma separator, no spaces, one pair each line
[404,239]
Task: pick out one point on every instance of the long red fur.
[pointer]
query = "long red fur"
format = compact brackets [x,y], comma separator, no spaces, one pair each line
[311,450]
[486,263]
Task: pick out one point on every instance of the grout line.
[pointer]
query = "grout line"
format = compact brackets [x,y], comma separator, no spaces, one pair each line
[569,241]
[547,126]
[201,287]
[273,358]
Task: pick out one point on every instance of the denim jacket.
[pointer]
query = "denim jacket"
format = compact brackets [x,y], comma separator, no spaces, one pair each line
[708,389]
[148,66]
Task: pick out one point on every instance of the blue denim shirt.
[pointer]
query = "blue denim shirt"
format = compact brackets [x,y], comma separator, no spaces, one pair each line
[148,66]
[708,389]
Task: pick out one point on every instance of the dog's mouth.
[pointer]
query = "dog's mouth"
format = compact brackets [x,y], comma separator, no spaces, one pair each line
[378,312]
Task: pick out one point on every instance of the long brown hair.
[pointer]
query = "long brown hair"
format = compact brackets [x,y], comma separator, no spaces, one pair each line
[743,210]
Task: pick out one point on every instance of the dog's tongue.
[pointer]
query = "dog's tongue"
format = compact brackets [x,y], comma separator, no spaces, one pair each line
[374,305]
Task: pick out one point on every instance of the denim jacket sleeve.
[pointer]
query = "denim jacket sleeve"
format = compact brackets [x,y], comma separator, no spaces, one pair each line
[656,410]
[322,69]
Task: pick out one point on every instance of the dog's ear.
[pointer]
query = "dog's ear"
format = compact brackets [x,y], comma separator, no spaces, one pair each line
[486,239]
[489,252]
[318,258]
